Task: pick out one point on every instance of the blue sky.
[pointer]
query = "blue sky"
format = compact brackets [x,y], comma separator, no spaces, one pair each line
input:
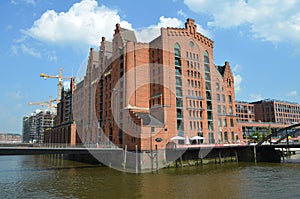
[260,39]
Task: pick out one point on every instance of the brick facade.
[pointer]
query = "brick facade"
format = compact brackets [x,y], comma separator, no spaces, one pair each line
[164,88]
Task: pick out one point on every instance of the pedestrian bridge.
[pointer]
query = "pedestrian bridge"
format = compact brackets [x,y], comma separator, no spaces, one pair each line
[48,150]
[281,135]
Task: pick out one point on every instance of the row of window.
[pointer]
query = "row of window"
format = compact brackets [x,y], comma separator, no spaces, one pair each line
[195,65]
[226,140]
[245,116]
[224,124]
[287,115]
[288,107]
[295,111]
[194,84]
[193,74]
[194,93]
[195,103]
[223,98]
[244,109]
[195,125]
[284,120]
[224,109]
[195,114]
[156,101]
[190,55]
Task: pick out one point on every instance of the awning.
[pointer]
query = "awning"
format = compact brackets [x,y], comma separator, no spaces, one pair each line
[197,138]
[177,138]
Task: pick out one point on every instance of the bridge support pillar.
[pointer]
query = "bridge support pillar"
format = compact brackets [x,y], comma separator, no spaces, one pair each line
[254,154]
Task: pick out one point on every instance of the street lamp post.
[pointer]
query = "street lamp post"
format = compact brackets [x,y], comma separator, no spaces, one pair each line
[151,151]
[152,155]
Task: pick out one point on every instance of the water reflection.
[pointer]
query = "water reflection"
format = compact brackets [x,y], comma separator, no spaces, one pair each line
[44,177]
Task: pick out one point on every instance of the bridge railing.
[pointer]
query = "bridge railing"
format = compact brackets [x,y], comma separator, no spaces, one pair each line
[67,145]
[283,131]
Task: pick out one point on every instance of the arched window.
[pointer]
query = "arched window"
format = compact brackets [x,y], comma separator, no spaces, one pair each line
[206,57]
[177,50]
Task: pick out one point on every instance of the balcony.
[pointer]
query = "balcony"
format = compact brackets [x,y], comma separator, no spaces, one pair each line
[179,115]
[178,72]
[208,96]
[178,92]
[178,103]
[178,82]
[177,62]
[194,97]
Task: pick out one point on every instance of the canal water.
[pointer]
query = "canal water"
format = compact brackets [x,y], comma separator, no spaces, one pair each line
[44,177]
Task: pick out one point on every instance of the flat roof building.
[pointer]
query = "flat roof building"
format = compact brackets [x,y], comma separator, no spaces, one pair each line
[35,125]
[270,110]
[244,111]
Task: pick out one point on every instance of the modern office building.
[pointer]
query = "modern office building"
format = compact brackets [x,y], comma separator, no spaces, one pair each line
[265,116]
[270,110]
[29,128]
[244,111]
[135,93]
[35,125]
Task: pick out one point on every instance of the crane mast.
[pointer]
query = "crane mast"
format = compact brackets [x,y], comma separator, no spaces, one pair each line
[60,78]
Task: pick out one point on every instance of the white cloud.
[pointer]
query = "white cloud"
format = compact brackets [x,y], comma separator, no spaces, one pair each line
[181,13]
[15,2]
[204,32]
[8,28]
[66,84]
[255,97]
[292,94]
[14,50]
[237,68]
[237,83]
[149,33]
[82,25]
[153,31]
[25,49]
[44,53]
[30,51]
[16,95]
[32,2]
[237,78]
[86,22]
[273,21]
[51,55]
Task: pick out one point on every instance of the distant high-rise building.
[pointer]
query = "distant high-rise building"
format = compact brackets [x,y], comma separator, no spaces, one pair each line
[35,125]
[271,110]
[29,128]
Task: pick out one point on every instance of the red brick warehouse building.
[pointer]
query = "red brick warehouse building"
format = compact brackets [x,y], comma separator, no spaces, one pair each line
[167,87]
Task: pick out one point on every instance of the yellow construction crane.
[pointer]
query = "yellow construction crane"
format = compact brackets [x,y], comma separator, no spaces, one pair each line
[49,104]
[60,84]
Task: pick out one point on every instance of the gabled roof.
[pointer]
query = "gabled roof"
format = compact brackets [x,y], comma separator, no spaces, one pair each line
[128,35]
[221,70]
[95,56]
[108,46]
[225,70]
[149,120]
